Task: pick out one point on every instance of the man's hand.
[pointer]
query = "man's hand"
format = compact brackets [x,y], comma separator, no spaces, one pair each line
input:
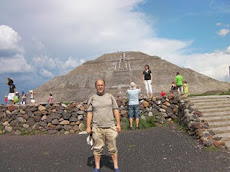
[88,130]
[118,128]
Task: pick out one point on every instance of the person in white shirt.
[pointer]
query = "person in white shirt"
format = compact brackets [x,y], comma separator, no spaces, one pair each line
[133,106]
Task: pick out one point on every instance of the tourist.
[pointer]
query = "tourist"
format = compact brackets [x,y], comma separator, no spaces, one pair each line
[185,89]
[147,80]
[12,90]
[102,108]
[50,100]
[6,100]
[179,83]
[32,100]
[133,107]
[16,99]
[163,93]
[23,98]
[173,87]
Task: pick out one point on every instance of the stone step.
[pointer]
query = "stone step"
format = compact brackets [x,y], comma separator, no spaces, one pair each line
[212,103]
[225,129]
[225,136]
[211,114]
[219,124]
[215,118]
[227,143]
[214,109]
[208,106]
[209,97]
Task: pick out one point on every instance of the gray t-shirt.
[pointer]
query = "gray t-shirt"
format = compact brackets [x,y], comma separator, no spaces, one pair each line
[102,108]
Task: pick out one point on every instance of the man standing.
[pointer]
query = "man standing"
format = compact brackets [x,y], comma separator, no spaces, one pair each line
[12,90]
[133,108]
[102,110]
[179,83]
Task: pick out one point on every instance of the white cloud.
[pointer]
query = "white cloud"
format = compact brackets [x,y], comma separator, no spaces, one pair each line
[9,41]
[213,64]
[223,32]
[14,64]
[45,73]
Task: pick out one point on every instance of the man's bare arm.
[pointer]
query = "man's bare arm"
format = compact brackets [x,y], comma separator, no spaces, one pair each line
[89,119]
[117,117]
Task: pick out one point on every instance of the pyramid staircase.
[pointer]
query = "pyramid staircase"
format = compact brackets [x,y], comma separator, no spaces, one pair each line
[215,111]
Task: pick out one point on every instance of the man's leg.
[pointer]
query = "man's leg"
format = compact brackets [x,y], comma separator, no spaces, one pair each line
[115,160]
[137,122]
[130,122]
[137,114]
[97,159]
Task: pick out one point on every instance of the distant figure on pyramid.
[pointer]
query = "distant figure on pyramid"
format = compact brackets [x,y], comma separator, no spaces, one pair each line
[147,80]
[6,99]
[23,98]
[185,89]
[173,87]
[179,83]
[32,100]
[12,90]
[51,99]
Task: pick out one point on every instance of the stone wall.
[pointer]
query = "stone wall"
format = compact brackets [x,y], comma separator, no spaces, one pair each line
[70,119]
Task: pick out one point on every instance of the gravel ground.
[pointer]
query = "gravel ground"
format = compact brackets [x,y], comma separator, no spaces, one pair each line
[160,149]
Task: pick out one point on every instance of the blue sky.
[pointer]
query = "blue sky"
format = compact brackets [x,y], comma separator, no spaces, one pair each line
[43,39]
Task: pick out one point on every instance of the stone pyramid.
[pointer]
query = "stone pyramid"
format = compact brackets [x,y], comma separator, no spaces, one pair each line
[118,70]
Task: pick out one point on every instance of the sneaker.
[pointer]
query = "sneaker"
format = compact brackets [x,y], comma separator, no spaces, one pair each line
[130,128]
[137,128]
[97,170]
[116,170]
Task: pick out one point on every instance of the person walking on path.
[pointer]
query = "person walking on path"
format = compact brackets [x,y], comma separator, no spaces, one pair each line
[185,89]
[12,90]
[23,98]
[133,106]
[51,99]
[147,80]
[179,83]
[6,100]
[103,111]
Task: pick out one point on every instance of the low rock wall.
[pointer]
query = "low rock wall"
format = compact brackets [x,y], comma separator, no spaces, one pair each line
[59,118]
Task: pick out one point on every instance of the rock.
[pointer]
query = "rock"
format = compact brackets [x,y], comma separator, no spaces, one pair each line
[124,113]
[5,123]
[52,131]
[146,104]
[37,118]
[81,127]
[30,122]
[11,107]
[25,126]
[8,129]
[67,127]
[73,119]
[21,120]
[219,144]
[42,123]
[80,117]
[162,110]
[22,111]
[55,121]
[76,128]
[66,115]
[52,126]
[43,118]
[150,114]
[167,104]
[80,112]
[71,131]
[25,116]
[154,99]
[155,111]
[65,122]
[41,108]
[8,113]
[64,105]
[13,123]
[66,132]
[17,132]
[143,117]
